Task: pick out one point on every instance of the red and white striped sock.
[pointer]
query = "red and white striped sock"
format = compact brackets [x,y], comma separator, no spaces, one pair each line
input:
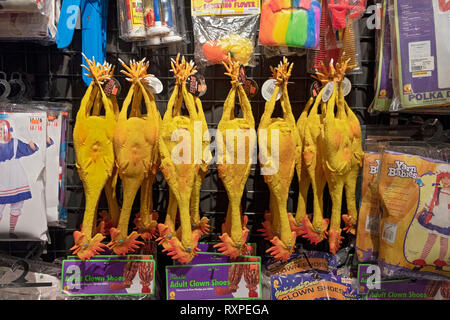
[444,247]
[12,223]
[428,245]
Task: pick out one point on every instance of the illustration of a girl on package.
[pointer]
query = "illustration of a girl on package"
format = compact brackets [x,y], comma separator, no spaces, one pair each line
[14,185]
[435,218]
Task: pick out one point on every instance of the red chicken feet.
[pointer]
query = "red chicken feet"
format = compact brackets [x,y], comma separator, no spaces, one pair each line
[86,249]
[147,228]
[176,250]
[105,223]
[230,247]
[312,234]
[165,234]
[279,250]
[334,239]
[121,244]
[267,231]
[203,226]
[350,223]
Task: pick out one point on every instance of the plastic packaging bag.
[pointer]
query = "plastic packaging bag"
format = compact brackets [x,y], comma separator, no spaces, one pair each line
[28,20]
[414,190]
[290,23]
[420,51]
[131,20]
[222,28]
[369,213]
[383,80]
[164,22]
[56,115]
[22,161]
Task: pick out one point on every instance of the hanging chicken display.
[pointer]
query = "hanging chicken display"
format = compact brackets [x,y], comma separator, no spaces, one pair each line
[94,156]
[281,135]
[183,167]
[235,163]
[332,154]
[135,141]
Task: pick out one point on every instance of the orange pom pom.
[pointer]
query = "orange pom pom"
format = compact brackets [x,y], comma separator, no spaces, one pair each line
[213,52]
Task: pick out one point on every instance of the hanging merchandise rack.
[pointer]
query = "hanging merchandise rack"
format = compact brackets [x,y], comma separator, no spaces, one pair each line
[55,75]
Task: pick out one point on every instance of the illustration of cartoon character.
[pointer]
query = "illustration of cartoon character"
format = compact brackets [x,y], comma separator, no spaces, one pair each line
[14,185]
[435,218]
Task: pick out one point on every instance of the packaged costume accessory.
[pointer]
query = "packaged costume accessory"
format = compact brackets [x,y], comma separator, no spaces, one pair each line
[222,28]
[420,48]
[290,23]
[414,194]
[23,133]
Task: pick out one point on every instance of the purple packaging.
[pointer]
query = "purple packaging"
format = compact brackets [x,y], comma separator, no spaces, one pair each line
[404,289]
[212,257]
[220,281]
[311,286]
[383,85]
[108,277]
[421,47]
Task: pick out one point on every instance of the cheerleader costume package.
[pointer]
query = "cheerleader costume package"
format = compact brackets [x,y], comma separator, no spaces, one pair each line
[414,191]
[56,115]
[421,51]
[23,143]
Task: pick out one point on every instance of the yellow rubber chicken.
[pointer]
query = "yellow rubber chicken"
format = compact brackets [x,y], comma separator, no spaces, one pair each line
[235,163]
[337,146]
[94,155]
[312,157]
[110,218]
[351,218]
[200,225]
[278,223]
[180,166]
[134,141]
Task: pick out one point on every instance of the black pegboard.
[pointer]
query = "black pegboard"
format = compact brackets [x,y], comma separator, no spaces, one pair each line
[56,76]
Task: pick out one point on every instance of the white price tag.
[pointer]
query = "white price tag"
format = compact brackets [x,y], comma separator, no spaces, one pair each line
[328,91]
[346,86]
[155,84]
[268,89]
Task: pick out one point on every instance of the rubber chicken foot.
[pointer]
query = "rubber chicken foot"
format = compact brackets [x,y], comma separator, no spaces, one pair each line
[121,245]
[350,223]
[334,239]
[147,228]
[168,239]
[202,226]
[230,247]
[105,223]
[279,250]
[309,232]
[267,231]
[87,248]
[178,252]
